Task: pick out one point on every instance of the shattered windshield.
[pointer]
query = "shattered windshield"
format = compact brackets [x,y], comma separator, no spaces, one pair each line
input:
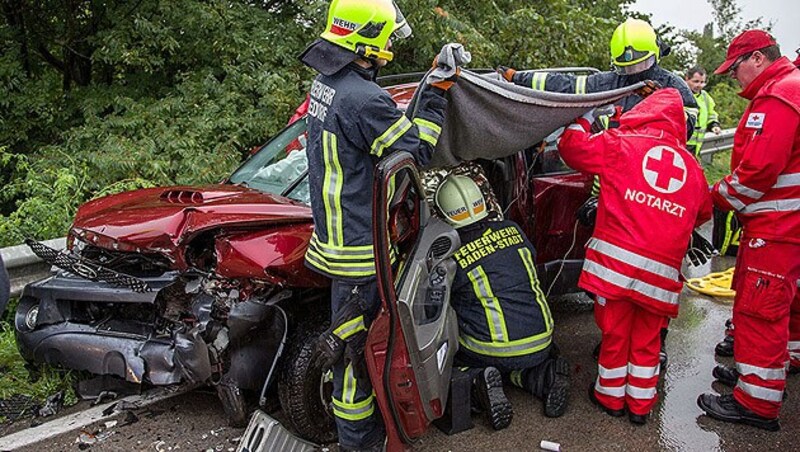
[280,166]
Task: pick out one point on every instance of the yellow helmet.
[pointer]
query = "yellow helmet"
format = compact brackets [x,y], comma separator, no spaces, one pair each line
[634,47]
[365,26]
[460,200]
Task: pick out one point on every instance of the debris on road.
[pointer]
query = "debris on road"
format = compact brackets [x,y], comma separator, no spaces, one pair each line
[549,445]
[52,405]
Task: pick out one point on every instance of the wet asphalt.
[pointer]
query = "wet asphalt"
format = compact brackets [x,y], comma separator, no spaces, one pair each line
[196,422]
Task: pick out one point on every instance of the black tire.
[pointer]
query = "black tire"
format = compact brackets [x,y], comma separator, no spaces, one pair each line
[303,390]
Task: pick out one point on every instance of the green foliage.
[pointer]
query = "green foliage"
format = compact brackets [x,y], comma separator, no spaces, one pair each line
[16,379]
[720,167]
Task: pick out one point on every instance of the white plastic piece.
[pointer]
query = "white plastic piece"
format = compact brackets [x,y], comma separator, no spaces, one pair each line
[549,445]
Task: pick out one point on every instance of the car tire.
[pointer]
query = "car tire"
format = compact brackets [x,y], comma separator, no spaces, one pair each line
[304,391]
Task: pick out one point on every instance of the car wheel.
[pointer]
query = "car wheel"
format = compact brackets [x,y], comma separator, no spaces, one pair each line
[304,390]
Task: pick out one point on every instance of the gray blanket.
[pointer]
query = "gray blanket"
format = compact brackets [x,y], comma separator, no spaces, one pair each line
[490,118]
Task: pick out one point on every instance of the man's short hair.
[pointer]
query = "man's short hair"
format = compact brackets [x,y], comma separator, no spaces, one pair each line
[772,52]
[695,70]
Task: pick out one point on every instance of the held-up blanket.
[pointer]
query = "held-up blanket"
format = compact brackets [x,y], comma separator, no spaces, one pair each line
[490,118]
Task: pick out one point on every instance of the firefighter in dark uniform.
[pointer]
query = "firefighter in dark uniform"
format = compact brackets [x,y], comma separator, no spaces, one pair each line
[505,325]
[352,123]
[635,53]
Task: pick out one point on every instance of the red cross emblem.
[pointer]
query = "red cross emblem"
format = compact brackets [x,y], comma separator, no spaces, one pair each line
[664,169]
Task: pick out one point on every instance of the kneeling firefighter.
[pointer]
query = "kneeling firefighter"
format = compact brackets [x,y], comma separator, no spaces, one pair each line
[505,325]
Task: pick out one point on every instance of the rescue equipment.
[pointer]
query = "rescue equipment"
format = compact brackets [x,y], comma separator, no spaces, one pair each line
[716,284]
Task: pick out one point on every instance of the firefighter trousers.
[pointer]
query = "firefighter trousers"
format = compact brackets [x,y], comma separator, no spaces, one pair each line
[358,419]
[628,365]
[765,307]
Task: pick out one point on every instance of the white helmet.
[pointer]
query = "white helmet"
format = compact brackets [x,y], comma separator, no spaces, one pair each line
[460,200]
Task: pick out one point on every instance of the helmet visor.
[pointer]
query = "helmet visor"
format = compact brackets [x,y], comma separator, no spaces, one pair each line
[401,28]
[635,68]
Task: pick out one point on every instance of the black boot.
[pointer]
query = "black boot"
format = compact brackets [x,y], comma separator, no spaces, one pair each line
[609,411]
[557,391]
[596,351]
[662,354]
[487,389]
[637,419]
[725,375]
[726,408]
[724,347]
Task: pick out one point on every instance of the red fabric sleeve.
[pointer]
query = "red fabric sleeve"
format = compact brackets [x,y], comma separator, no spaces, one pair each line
[582,150]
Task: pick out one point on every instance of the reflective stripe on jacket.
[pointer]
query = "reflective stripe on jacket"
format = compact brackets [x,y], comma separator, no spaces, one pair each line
[606,81]
[501,309]
[352,122]
[764,185]
[707,119]
[654,194]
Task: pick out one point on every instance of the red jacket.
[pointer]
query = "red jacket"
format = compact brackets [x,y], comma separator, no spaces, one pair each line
[654,194]
[764,184]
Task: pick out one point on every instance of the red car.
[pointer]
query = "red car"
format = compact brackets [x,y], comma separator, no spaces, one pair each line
[208,285]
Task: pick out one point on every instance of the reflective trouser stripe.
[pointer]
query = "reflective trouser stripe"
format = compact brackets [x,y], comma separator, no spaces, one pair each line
[794,349]
[527,259]
[729,232]
[351,327]
[626,282]
[640,393]
[388,138]
[580,84]
[539,79]
[516,378]
[761,372]
[613,391]
[351,261]
[631,258]
[428,131]
[608,374]
[518,347]
[779,205]
[757,392]
[348,408]
[491,304]
[332,188]
[643,371]
[788,180]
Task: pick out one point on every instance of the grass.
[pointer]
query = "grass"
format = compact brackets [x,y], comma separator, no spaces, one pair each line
[719,168]
[15,379]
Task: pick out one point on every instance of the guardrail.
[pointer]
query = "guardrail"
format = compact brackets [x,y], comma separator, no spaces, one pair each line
[716,143]
[25,267]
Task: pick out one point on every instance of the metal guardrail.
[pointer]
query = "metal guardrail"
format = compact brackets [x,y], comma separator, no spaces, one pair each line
[25,267]
[716,143]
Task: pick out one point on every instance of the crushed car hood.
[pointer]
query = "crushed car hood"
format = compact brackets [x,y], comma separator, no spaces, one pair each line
[160,219]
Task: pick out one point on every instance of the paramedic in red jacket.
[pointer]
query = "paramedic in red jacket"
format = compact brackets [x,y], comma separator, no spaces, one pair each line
[654,194]
[764,191]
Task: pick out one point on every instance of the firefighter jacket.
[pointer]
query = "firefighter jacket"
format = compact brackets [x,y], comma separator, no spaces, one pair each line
[654,194]
[707,119]
[606,81]
[501,309]
[352,122]
[764,185]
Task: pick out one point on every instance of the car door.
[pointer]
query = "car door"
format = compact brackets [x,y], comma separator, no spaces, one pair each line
[412,342]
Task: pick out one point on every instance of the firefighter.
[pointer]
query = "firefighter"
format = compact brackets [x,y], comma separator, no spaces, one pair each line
[636,51]
[505,325]
[352,123]
[652,186]
[764,191]
[707,119]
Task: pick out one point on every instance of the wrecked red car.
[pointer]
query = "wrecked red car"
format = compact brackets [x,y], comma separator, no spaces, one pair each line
[207,284]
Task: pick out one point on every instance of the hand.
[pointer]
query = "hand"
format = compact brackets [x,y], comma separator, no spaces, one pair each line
[649,88]
[587,213]
[717,130]
[700,250]
[447,66]
[328,351]
[506,72]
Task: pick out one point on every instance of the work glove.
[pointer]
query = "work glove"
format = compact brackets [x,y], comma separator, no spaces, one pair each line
[700,250]
[447,66]
[345,338]
[649,88]
[506,72]
[587,213]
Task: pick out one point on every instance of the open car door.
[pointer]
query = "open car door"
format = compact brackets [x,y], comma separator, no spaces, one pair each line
[413,340]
